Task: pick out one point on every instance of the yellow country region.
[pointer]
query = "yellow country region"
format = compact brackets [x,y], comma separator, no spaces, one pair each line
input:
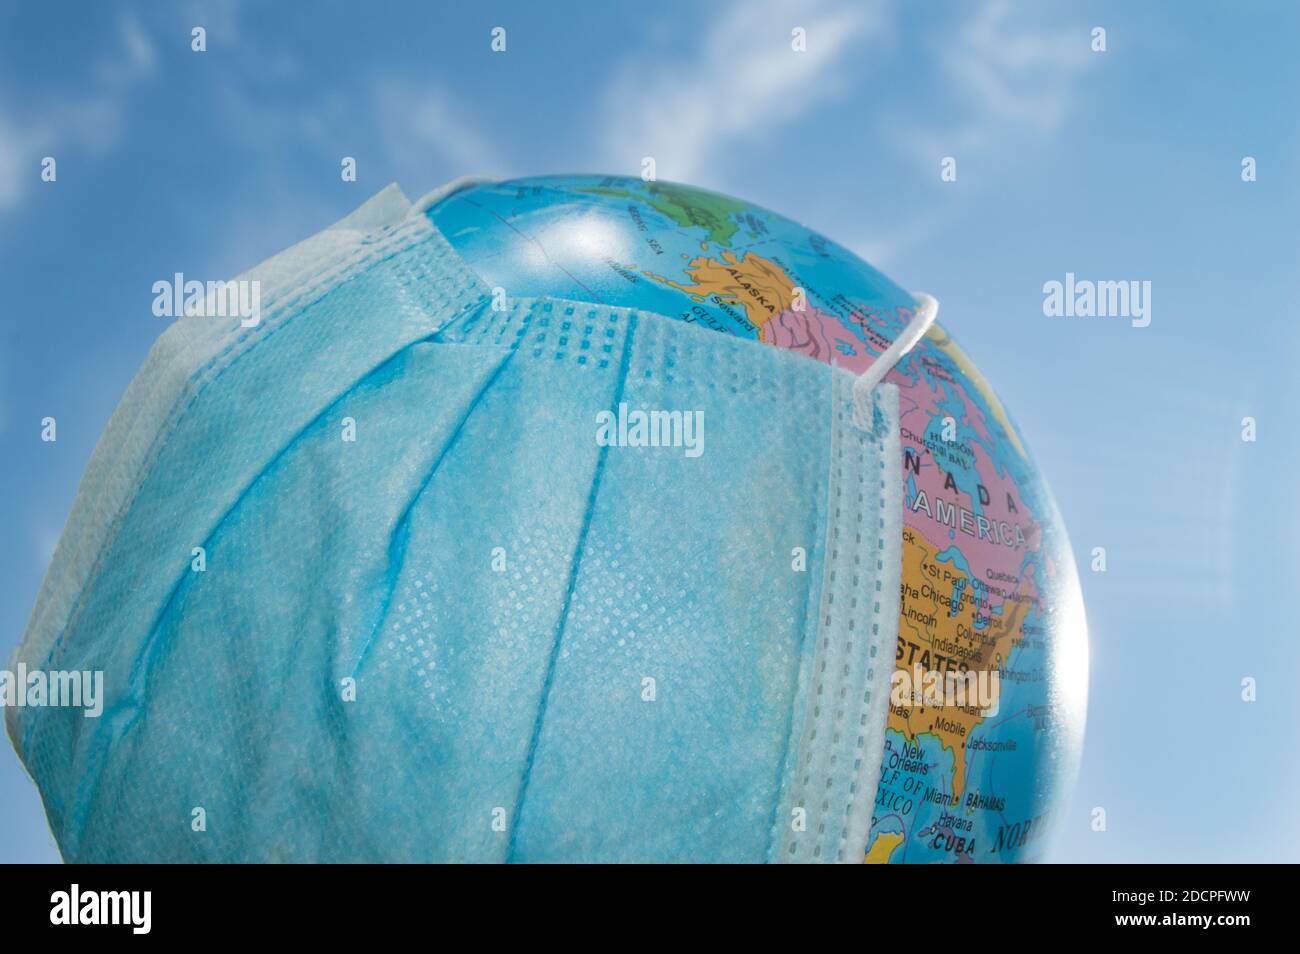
[944,342]
[756,284]
[934,638]
[879,851]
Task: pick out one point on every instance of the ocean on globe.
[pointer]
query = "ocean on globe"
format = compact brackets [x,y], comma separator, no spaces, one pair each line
[988,581]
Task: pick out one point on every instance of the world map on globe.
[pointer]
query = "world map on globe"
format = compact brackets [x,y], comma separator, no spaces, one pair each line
[988,581]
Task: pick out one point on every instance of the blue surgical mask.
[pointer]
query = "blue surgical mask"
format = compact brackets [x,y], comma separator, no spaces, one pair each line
[408,573]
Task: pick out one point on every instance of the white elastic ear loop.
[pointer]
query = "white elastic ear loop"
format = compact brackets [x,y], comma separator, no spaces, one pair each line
[927,310]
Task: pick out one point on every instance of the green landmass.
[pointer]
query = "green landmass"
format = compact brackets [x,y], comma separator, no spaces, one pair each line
[687,207]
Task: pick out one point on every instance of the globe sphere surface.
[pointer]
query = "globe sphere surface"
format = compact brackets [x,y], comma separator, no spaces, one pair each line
[988,581]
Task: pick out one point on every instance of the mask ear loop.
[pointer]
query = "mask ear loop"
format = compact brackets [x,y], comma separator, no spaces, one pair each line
[927,310]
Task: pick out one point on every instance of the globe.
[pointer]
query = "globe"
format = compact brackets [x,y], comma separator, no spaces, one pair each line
[988,580]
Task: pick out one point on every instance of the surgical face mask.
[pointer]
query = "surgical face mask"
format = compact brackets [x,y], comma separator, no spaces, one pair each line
[400,573]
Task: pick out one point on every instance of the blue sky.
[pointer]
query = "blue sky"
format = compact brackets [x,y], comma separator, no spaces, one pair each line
[1117,165]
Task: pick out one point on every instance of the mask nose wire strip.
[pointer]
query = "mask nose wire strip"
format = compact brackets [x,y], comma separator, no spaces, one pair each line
[927,311]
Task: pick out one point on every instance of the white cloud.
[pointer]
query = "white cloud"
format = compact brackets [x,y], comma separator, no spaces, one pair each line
[1010,80]
[886,248]
[1004,81]
[742,82]
[220,18]
[417,118]
[133,63]
[91,122]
